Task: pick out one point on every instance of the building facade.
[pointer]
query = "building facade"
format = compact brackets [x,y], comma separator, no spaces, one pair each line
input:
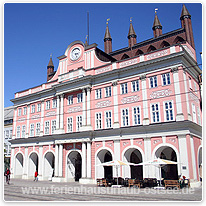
[8,127]
[133,104]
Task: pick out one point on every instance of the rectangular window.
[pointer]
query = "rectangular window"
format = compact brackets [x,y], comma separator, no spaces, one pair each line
[24,110]
[108,119]
[19,111]
[79,122]
[169,116]
[31,130]
[155,113]
[79,97]
[70,99]
[136,115]
[190,83]
[33,108]
[166,79]
[135,86]
[98,93]
[124,88]
[54,103]
[198,116]
[46,129]
[38,129]
[23,132]
[18,132]
[125,117]
[194,113]
[53,126]
[10,133]
[108,91]
[153,81]
[69,124]
[39,107]
[7,134]
[47,104]
[98,120]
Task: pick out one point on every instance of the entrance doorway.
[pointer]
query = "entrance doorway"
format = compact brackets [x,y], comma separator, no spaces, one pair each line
[74,164]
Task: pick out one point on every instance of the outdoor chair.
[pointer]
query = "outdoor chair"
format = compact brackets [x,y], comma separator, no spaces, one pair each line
[105,182]
[130,182]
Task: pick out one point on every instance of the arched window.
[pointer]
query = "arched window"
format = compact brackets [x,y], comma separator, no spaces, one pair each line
[164,44]
[178,40]
[139,52]
[151,48]
[125,56]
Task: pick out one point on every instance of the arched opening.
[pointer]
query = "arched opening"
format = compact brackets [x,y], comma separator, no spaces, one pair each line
[134,156]
[33,164]
[19,166]
[139,52]
[125,56]
[104,171]
[74,165]
[164,44]
[49,165]
[178,40]
[151,48]
[200,163]
[169,171]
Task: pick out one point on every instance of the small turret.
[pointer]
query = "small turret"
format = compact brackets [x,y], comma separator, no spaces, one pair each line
[131,35]
[157,27]
[107,40]
[50,69]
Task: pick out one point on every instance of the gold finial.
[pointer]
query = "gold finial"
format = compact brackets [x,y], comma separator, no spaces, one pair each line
[131,19]
[107,21]
[51,55]
[156,10]
[86,37]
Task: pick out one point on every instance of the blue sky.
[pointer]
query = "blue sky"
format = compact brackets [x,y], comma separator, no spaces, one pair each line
[33,31]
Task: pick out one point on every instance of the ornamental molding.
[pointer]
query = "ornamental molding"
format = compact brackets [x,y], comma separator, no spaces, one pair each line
[52,113]
[130,99]
[172,140]
[22,119]
[156,141]
[103,104]
[160,93]
[35,116]
[74,109]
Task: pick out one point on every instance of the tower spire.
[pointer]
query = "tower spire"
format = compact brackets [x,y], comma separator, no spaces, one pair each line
[107,40]
[157,27]
[131,35]
[50,69]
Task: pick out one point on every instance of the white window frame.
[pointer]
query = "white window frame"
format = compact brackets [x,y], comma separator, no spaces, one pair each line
[38,127]
[123,118]
[135,85]
[124,88]
[79,97]
[165,111]
[31,133]
[151,113]
[166,79]
[70,99]
[98,93]
[19,111]
[190,82]
[98,121]
[108,91]
[194,114]
[39,107]
[53,126]
[18,130]
[153,81]
[46,127]
[33,108]
[108,118]
[199,116]
[54,103]
[70,124]
[47,104]
[78,122]
[24,110]
[23,131]
[137,114]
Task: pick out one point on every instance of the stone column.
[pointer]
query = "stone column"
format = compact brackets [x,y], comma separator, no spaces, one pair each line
[25,164]
[194,165]
[84,171]
[42,119]
[88,107]
[144,100]
[57,114]
[14,124]
[27,121]
[89,163]
[179,116]
[83,107]
[62,112]
[116,156]
[116,109]
[56,165]
[40,162]
[12,163]
[60,160]
[147,172]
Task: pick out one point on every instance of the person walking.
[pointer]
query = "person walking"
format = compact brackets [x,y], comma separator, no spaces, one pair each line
[7,174]
[36,176]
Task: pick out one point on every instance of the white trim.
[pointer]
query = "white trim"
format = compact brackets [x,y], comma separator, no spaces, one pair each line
[105,118]
[122,117]
[151,116]
[70,123]
[45,127]
[164,110]
[96,120]
[133,123]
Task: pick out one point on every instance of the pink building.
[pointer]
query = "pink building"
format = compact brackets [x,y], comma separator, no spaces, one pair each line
[133,104]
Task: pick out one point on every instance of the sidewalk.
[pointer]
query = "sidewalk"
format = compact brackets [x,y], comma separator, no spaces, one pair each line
[28,190]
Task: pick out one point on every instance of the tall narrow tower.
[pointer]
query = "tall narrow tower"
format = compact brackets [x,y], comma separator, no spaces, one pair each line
[50,69]
[187,25]
[157,27]
[107,40]
[131,35]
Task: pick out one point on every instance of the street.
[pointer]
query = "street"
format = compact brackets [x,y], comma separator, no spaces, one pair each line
[28,190]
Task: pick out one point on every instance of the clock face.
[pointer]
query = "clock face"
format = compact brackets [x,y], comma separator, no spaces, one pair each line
[75,54]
